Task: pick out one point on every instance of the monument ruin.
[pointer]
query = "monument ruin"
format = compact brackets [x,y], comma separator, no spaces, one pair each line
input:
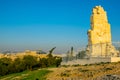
[99,48]
[99,36]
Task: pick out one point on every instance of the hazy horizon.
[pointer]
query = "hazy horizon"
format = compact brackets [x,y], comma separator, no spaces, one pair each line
[34,25]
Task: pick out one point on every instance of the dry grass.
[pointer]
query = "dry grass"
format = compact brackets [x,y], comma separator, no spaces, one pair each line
[86,72]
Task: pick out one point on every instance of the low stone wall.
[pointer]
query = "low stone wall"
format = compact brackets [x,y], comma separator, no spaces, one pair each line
[87,61]
[92,60]
[115,59]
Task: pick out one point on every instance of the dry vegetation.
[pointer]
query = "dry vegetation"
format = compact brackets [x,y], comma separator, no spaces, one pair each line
[85,72]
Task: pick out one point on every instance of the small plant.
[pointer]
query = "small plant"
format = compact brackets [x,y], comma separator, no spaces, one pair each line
[65,75]
[85,70]
[76,65]
[82,70]
[65,66]
[108,69]
[86,65]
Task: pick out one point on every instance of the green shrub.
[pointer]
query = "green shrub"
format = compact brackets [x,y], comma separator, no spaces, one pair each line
[7,66]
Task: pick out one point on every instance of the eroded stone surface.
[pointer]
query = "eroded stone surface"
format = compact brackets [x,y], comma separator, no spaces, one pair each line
[99,36]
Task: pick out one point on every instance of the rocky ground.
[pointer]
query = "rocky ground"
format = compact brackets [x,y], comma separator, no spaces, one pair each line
[101,71]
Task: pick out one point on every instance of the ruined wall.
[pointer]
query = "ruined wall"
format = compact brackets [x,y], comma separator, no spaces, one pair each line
[99,36]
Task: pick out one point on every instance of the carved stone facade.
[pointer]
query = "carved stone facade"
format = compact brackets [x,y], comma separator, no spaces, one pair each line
[99,36]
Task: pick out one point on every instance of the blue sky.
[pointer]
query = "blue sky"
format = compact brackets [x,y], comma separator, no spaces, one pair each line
[43,24]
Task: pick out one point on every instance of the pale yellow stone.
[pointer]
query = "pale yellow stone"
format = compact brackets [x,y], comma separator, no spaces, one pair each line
[100,28]
[115,59]
[99,36]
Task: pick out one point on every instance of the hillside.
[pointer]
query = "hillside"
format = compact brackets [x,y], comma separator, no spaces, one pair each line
[99,71]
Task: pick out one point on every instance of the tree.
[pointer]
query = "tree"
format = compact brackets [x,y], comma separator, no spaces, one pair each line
[58,61]
[51,51]
[43,62]
[71,55]
[29,61]
[17,66]
[3,69]
[4,65]
[81,55]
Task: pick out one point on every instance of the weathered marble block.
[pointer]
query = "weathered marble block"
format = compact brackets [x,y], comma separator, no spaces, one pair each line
[99,36]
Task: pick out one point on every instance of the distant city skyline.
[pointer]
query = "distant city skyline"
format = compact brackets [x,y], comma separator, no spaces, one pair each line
[44,24]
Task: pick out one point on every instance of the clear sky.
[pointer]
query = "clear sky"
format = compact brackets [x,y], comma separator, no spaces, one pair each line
[43,24]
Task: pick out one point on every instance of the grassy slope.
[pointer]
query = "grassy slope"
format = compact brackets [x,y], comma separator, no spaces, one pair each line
[85,72]
[27,75]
